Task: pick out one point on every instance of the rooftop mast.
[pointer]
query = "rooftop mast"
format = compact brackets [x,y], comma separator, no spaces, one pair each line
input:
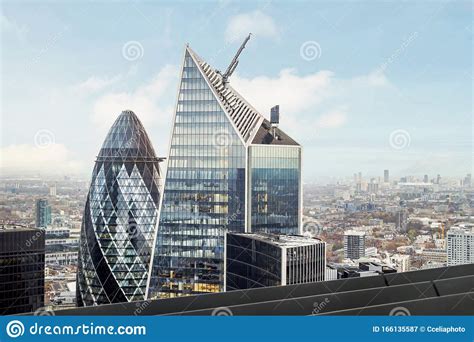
[234,63]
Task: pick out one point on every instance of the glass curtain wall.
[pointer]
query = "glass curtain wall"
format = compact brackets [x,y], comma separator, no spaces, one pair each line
[204,193]
[274,188]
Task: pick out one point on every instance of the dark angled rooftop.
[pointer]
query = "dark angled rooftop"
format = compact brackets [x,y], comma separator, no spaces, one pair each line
[265,136]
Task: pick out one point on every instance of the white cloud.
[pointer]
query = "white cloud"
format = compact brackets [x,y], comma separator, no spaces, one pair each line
[309,102]
[95,84]
[152,102]
[256,22]
[294,93]
[332,119]
[51,159]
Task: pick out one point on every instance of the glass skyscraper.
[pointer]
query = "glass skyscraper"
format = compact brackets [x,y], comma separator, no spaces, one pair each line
[229,169]
[43,213]
[120,217]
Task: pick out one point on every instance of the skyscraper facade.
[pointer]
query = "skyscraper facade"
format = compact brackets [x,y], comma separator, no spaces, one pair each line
[229,169]
[22,263]
[43,213]
[460,245]
[354,244]
[259,260]
[120,217]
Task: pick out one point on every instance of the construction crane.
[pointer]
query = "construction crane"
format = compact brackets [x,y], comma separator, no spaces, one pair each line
[234,63]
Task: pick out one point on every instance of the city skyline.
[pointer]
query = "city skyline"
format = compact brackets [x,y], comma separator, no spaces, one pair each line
[393,100]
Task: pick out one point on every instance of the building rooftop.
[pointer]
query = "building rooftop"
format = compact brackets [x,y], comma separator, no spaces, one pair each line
[249,123]
[12,228]
[354,232]
[284,241]
[461,230]
[264,136]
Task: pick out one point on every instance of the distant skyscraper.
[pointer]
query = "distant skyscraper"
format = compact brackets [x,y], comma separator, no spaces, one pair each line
[52,190]
[425,179]
[467,181]
[120,217]
[386,177]
[438,179]
[43,213]
[354,244]
[460,245]
[229,168]
[260,260]
[21,270]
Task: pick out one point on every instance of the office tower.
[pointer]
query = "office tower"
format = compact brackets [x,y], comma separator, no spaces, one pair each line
[460,245]
[438,179]
[386,176]
[43,213]
[425,179]
[354,244]
[360,176]
[21,269]
[229,168]
[260,260]
[467,180]
[373,187]
[52,190]
[120,217]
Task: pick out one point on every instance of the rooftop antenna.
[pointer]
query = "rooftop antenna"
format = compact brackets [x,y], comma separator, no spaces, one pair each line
[234,63]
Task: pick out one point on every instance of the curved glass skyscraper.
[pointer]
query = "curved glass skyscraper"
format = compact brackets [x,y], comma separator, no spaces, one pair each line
[120,217]
[229,169]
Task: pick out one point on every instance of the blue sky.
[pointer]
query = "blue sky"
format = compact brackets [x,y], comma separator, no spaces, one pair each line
[389,85]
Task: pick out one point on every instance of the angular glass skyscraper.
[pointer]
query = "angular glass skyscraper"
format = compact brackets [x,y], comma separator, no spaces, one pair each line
[229,169]
[120,217]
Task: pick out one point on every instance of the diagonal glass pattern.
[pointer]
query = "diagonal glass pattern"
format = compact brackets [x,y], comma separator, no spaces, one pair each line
[120,217]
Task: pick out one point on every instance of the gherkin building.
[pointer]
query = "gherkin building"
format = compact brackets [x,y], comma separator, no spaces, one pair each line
[120,217]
